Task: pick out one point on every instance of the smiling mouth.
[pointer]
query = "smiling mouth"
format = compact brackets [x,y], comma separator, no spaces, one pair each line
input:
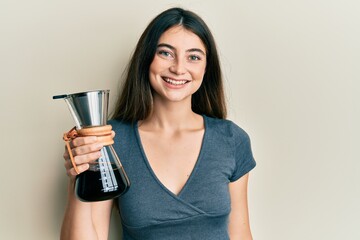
[175,82]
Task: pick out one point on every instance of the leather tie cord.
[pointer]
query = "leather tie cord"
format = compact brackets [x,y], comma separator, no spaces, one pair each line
[103,134]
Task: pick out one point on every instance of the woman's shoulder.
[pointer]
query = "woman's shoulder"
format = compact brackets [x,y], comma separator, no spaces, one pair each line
[119,125]
[226,127]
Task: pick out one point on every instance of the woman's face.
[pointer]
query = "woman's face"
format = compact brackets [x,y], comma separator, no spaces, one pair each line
[178,67]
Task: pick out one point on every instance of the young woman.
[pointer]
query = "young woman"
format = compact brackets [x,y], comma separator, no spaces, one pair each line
[188,166]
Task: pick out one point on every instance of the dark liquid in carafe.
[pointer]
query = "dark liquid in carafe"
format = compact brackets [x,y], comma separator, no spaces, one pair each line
[91,187]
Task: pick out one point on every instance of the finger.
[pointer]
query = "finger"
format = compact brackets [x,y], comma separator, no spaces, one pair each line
[83,159]
[66,155]
[81,168]
[80,141]
[87,158]
[68,165]
[85,149]
[112,134]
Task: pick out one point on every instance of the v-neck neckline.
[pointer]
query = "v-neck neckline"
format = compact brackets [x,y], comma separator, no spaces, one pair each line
[193,172]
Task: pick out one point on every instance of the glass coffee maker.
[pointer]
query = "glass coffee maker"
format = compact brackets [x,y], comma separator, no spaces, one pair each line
[106,178]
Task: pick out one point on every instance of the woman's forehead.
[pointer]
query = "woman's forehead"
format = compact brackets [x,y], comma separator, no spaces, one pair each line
[180,37]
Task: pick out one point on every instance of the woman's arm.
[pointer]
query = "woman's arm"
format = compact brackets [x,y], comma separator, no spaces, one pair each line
[84,220]
[239,227]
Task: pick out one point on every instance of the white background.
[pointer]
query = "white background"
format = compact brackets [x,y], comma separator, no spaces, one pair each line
[292,78]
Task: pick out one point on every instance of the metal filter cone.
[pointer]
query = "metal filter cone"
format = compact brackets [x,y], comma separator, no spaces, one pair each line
[88,109]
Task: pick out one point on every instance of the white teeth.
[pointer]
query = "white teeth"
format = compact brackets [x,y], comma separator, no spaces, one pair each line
[175,82]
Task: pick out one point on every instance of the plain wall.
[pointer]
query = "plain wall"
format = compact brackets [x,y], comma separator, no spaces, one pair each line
[292,78]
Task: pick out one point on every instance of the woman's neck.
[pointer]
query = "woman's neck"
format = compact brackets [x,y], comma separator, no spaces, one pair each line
[172,116]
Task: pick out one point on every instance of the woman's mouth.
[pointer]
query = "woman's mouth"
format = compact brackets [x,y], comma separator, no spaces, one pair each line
[175,82]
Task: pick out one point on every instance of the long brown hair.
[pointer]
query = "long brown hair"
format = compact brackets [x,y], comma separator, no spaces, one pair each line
[135,100]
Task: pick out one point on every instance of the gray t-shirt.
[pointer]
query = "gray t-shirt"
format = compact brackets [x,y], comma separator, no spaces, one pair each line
[200,211]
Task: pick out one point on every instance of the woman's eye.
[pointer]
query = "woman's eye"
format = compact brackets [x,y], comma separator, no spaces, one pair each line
[164,53]
[194,58]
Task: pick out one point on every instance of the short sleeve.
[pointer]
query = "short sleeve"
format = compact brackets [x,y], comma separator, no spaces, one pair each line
[244,160]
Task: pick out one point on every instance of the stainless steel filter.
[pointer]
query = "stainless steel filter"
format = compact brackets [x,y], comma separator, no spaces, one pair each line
[88,109]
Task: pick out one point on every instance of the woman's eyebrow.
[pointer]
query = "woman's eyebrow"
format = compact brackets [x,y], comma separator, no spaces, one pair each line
[166,45]
[173,48]
[196,50]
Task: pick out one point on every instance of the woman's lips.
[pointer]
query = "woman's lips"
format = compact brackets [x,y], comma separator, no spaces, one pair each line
[175,81]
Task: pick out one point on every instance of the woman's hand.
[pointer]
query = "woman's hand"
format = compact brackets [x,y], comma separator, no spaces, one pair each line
[84,150]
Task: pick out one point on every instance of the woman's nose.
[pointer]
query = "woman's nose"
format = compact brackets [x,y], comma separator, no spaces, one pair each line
[178,67]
